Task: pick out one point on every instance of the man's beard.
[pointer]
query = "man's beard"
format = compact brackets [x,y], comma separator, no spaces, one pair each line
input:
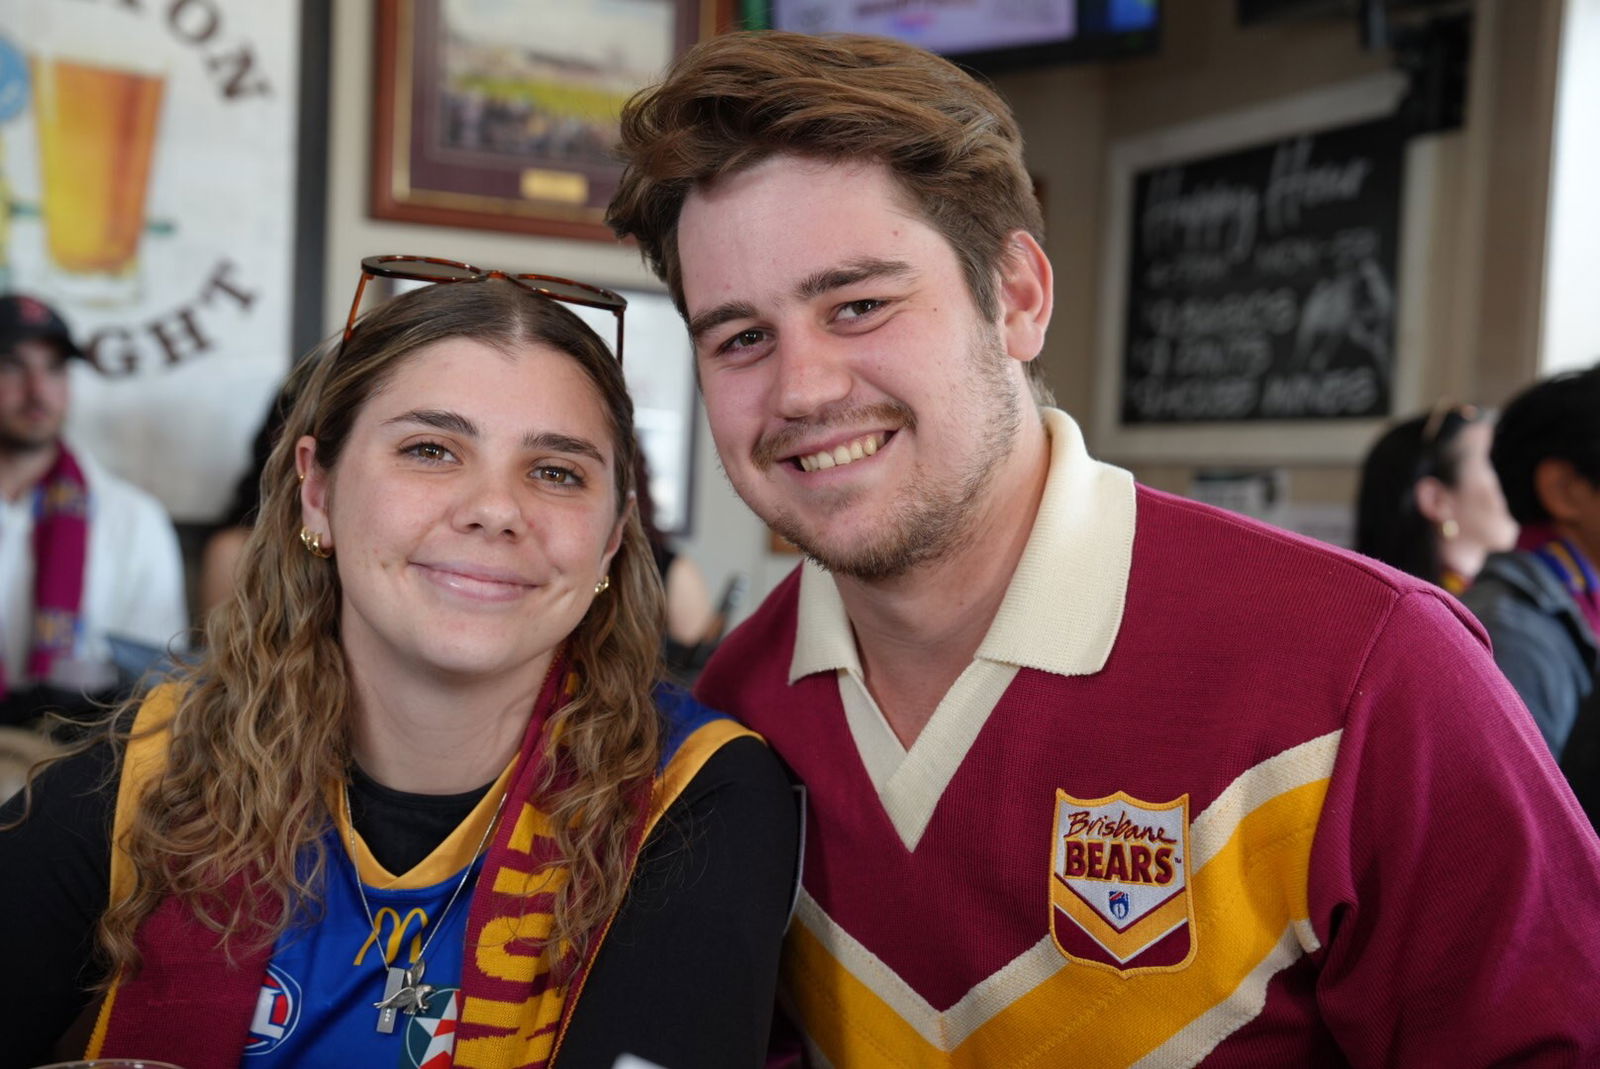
[14,443]
[931,517]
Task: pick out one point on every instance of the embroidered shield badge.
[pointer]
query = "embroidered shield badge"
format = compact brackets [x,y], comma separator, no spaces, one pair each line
[1119,883]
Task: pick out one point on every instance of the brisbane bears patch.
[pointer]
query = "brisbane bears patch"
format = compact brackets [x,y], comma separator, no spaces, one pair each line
[1119,883]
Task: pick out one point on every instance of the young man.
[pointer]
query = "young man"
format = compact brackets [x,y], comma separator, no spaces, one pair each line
[1098,776]
[1541,602]
[84,556]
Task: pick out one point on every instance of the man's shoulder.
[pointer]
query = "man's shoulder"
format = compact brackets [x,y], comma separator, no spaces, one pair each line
[1232,579]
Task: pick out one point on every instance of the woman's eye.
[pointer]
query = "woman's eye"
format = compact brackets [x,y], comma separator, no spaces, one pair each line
[551,473]
[431,451]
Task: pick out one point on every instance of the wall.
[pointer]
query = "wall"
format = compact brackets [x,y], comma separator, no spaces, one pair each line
[1470,323]
[1571,326]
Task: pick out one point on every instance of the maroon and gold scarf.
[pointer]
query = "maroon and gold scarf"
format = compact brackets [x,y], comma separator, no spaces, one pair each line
[60,549]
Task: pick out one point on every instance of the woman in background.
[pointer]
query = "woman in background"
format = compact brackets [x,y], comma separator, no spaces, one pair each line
[422,797]
[1429,502]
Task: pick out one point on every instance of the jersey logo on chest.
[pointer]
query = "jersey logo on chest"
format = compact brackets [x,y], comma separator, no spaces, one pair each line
[1119,883]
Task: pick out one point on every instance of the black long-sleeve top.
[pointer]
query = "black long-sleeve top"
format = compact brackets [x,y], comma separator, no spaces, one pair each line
[683,979]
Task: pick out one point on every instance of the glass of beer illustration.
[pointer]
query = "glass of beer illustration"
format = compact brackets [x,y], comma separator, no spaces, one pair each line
[97,133]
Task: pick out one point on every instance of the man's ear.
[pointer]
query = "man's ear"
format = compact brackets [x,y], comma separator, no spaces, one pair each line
[314,486]
[1434,500]
[1027,295]
[1555,484]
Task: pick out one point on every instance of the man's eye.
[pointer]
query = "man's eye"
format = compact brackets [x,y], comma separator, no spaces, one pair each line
[744,340]
[857,309]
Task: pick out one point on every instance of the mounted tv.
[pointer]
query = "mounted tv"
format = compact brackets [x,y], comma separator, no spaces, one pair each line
[988,35]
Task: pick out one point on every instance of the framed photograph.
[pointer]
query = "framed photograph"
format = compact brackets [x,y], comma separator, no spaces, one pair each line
[1264,270]
[164,169]
[502,115]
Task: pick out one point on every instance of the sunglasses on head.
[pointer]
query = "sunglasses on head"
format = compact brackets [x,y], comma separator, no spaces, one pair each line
[434,269]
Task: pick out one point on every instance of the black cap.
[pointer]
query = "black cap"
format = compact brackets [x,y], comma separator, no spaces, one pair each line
[23,317]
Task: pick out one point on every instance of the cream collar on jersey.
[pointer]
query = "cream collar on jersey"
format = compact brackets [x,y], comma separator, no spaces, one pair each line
[1064,605]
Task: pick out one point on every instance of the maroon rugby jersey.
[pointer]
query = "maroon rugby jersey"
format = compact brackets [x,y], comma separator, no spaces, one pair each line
[1298,818]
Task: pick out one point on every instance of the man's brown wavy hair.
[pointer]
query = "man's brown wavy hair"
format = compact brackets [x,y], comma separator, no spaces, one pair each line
[733,101]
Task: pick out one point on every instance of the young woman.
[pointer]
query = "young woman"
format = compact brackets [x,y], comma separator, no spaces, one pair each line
[1429,502]
[422,798]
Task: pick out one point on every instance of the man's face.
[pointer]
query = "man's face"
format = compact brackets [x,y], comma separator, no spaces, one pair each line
[859,403]
[33,395]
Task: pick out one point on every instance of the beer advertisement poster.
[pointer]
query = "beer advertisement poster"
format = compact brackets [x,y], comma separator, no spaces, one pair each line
[147,191]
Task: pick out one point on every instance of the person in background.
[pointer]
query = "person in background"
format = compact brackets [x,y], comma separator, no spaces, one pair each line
[1429,502]
[85,557]
[1097,776]
[219,558]
[421,796]
[690,616]
[1541,602]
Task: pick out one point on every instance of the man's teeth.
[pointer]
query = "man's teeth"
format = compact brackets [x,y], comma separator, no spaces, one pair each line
[842,454]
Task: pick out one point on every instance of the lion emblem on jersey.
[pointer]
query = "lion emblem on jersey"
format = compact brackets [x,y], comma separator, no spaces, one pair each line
[1119,883]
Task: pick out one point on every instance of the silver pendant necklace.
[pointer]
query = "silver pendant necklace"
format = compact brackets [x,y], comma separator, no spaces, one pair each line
[403,988]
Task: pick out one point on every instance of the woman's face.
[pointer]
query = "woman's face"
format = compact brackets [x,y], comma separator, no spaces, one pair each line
[1478,506]
[471,514]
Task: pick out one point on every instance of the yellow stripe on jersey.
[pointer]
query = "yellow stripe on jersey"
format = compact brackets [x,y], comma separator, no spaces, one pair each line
[1250,912]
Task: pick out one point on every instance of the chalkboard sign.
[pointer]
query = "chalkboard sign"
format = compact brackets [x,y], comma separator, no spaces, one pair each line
[1262,282]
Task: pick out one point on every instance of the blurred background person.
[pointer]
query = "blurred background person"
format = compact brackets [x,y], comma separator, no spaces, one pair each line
[1541,603]
[91,577]
[219,557]
[1429,502]
[694,624]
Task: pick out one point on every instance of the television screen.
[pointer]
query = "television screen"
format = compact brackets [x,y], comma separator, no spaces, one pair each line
[987,34]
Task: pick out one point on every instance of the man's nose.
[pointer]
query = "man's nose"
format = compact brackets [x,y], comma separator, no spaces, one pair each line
[814,371]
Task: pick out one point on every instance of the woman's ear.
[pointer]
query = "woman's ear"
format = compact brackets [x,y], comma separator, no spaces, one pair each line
[1027,296]
[615,541]
[1435,500]
[314,487]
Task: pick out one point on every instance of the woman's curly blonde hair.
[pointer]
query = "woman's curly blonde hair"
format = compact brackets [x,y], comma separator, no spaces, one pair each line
[236,826]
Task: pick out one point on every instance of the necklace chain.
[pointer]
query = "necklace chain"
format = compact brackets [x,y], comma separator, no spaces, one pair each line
[466,873]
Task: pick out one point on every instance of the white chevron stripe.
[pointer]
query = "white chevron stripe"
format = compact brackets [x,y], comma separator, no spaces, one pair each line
[1295,767]
[1188,1046]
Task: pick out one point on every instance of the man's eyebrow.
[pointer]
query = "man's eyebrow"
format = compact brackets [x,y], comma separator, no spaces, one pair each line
[710,320]
[810,287]
[865,269]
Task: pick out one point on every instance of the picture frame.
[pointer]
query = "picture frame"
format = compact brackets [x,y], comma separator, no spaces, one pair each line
[1283,440]
[488,117]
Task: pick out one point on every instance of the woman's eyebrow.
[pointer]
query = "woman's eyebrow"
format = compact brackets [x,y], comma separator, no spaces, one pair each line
[439,419]
[455,423]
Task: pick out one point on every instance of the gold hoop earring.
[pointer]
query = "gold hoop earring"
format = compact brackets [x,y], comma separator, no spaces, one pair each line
[603,585]
[1450,528]
[312,540]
